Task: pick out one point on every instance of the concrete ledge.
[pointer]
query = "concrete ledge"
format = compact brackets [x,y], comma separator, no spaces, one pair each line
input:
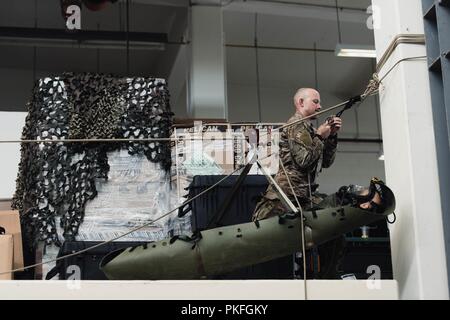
[199,290]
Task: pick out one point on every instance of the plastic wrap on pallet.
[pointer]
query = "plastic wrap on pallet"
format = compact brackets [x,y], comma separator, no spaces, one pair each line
[136,192]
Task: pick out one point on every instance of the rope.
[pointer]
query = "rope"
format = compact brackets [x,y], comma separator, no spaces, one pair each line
[149,223]
[109,140]
[373,86]
[370,92]
[124,234]
[94,140]
[302,226]
[342,104]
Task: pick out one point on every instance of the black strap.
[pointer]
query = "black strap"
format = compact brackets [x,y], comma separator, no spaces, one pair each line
[215,220]
[389,221]
[53,272]
[196,237]
[185,208]
[282,218]
[182,238]
[349,104]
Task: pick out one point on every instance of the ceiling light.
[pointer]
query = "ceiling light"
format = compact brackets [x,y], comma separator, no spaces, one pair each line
[82,39]
[345,50]
[348,50]
[88,44]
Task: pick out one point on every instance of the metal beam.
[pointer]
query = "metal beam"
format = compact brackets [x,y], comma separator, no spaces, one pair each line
[165,3]
[309,4]
[298,10]
[231,45]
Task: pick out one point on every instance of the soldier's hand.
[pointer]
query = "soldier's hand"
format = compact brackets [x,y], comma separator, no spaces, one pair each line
[324,130]
[336,124]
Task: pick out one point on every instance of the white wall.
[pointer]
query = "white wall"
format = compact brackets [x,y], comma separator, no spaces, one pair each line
[417,241]
[11,125]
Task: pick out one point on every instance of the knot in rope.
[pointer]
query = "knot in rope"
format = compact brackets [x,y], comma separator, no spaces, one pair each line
[372,87]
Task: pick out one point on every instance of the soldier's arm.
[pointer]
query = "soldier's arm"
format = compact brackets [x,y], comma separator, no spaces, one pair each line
[304,150]
[329,151]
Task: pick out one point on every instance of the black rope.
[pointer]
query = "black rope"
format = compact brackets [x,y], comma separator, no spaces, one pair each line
[393,221]
[349,104]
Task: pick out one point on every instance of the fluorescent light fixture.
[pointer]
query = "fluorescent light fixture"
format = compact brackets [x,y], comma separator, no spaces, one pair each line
[89,44]
[347,50]
[14,36]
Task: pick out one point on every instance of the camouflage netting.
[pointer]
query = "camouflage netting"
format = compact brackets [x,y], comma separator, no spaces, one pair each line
[57,179]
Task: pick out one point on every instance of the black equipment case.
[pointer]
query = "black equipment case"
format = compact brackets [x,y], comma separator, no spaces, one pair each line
[240,211]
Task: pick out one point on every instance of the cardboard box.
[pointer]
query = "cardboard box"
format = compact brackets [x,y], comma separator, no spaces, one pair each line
[5,204]
[11,222]
[6,255]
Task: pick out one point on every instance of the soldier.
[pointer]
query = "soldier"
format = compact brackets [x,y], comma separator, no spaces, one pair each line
[304,151]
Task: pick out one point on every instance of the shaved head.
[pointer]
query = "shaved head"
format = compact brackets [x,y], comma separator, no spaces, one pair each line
[307,102]
[303,93]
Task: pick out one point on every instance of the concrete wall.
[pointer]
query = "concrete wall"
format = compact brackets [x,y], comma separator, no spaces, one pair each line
[417,241]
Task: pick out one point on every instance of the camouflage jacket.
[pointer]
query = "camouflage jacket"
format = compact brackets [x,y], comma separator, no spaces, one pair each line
[302,153]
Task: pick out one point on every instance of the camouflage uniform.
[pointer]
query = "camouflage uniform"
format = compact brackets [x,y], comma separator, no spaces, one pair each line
[303,155]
